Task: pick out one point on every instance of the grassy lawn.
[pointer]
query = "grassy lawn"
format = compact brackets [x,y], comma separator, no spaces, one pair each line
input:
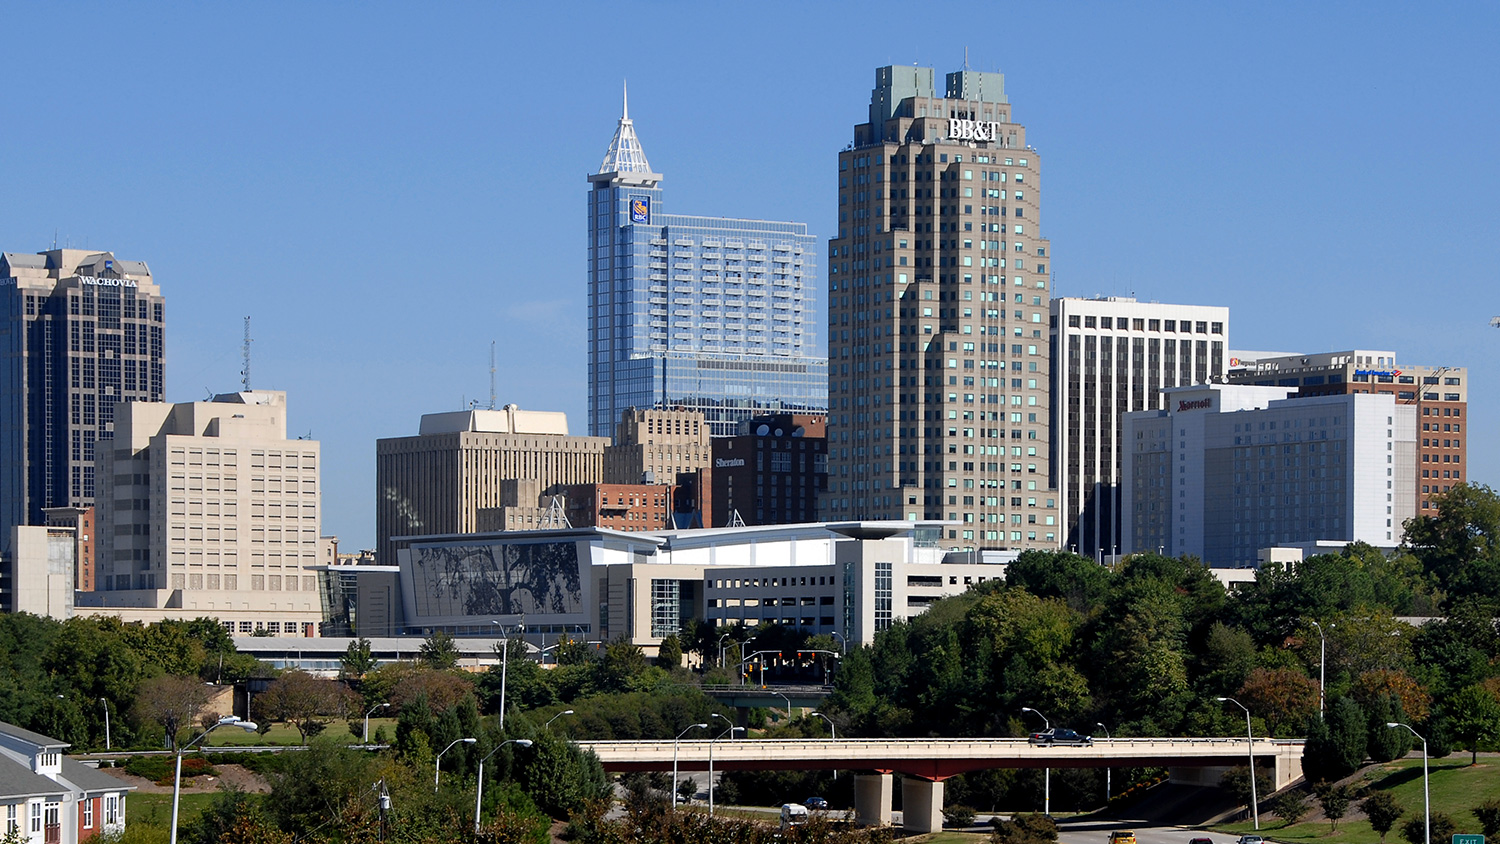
[156,809]
[288,735]
[949,838]
[1456,789]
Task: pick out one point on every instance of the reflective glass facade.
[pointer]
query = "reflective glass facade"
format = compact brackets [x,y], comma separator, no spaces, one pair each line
[712,314]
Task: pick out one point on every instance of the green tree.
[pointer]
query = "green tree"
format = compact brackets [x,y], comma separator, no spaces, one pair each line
[560,777]
[171,700]
[1387,743]
[1024,829]
[1475,719]
[312,786]
[357,660]
[1415,828]
[1284,697]
[1075,579]
[306,702]
[1291,806]
[669,653]
[1458,546]
[439,651]
[1334,799]
[1488,814]
[1349,731]
[1383,810]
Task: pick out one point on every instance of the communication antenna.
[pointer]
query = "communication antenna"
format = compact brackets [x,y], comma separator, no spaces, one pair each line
[245,352]
[735,520]
[492,375]
[556,518]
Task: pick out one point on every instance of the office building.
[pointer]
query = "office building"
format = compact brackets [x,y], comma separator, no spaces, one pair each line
[439,480]
[721,316]
[81,332]
[938,311]
[210,510]
[80,520]
[49,798]
[1223,471]
[655,446]
[772,472]
[1440,395]
[1113,355]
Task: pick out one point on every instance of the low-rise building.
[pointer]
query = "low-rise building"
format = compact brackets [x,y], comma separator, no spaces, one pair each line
[47,798]
[850,578]
[37,571]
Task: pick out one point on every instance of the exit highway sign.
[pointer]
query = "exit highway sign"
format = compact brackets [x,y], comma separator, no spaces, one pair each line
[1468,839]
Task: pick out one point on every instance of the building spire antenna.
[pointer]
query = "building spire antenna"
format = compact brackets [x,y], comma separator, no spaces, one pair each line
[492,375]
[245,352]
[624,99]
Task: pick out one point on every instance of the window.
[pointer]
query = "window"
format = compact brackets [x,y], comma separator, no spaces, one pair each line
[88,813]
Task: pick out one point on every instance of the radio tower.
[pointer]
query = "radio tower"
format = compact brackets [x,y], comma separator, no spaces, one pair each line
[245,352]
[492,375]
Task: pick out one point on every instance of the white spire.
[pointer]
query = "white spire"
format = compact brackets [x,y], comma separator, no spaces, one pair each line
[625,154]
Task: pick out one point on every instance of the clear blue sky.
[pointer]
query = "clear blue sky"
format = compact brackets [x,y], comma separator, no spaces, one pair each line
[386,188]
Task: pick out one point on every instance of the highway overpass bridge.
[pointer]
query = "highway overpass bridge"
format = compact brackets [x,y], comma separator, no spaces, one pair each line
[754,696]
[926,762]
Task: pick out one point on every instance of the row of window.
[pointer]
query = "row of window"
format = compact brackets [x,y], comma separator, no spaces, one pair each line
[1141,324]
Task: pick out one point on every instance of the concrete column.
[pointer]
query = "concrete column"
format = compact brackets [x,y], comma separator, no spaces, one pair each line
[1288,767]
[921,805]
[872,799]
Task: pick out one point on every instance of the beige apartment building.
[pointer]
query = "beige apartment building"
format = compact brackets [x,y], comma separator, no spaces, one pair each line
[661,443]
[438,481]
[939,303]
[207,509]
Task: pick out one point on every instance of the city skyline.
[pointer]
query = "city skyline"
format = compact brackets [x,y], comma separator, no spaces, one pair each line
[265,169]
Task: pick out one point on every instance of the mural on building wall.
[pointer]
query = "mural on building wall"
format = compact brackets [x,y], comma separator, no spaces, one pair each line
[496,578]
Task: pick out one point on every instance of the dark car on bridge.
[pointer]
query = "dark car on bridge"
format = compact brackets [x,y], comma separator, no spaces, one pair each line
[1060,736]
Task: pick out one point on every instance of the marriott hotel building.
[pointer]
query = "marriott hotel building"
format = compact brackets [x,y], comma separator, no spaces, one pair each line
[939,304]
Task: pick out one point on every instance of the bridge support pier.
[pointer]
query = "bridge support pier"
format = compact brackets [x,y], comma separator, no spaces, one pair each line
[872,799]
[1288,769]
[921,805]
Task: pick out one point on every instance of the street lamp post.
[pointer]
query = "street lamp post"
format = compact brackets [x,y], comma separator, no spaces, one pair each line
[788,705]
[1322,662]
[367,719]
[728,732]
[674,759]
[833,733]
[437,764]
[504,665]
[843,643]
[247,726]
[1107,771]
[1250,735]
[742,658]
[479,789]
[1426,796]
[1046,772]
[548,725]
[721,649]
[106,723]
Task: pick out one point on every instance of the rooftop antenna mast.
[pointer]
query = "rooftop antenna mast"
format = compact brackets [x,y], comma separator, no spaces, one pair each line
[245,353]
[492,375]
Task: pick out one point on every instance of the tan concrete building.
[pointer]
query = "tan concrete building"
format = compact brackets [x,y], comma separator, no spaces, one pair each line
[211,511]
[81,521]
[658,443]
[939,297]
[439,480]
[1440,395]
[36,571]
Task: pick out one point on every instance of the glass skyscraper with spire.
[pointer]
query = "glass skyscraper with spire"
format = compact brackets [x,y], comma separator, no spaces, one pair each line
[713,314]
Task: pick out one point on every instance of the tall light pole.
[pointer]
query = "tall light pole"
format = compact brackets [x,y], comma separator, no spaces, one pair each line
[843,643]
[728,732]
[833,733]
[437,764]
[788,705]
[1426,795]
[1249,734]
[367,719]
[1107,771]
[548,725]
[247,726]
[1046,772]
[721,649]
[504,665]
[742,657]
[479,789]
[1322,662]
[674,759]
[106,723]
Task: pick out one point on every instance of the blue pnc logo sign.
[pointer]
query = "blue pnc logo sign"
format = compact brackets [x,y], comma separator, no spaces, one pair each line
[640,209]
